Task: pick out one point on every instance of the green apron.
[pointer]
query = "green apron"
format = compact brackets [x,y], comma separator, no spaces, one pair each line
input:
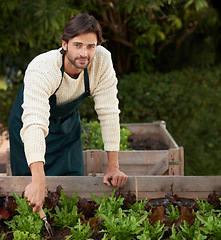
[64,153]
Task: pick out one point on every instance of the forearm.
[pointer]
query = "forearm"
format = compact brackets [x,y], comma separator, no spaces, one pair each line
[37,172]
[113,162]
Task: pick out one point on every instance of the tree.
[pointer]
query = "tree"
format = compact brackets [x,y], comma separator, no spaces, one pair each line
[143,35]
[29,28]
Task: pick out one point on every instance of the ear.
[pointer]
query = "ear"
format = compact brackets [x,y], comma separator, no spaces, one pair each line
[64,45]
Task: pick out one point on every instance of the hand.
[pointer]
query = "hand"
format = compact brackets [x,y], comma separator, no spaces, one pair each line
[118,178]
[35,194]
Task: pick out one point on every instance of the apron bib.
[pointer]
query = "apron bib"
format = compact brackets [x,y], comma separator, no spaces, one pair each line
[64,152]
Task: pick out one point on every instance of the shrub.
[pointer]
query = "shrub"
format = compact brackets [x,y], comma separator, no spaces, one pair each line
[92,138]
[189,102]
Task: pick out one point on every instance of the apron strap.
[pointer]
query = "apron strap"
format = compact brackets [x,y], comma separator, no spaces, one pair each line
[86,81]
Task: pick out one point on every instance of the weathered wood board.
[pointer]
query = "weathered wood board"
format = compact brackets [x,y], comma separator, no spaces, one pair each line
[143,186]
[138,163]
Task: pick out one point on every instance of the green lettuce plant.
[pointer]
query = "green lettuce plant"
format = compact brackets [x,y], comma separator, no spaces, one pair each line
[92,137]
[150,232]
[80,231]
[123,225]
[173,212]
[109,204]
[67,214]
[187,232]
[25,225]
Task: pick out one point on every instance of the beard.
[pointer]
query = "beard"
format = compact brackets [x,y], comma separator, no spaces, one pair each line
[78,62]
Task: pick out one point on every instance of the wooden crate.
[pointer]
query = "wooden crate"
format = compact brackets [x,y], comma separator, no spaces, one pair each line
[142,162]
[137,162]
[151,187]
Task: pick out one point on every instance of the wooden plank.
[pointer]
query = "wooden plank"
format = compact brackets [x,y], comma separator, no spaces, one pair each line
[181,151]
[166,137]
[160,167]
[180,183]
[144,186]
[131,162]
[8,163]
[143,128]
[133,157]
[140,157]
[95,161]
[140,170]
[175,164]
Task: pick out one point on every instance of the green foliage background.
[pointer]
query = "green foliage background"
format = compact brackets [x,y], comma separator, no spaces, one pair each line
[166,54]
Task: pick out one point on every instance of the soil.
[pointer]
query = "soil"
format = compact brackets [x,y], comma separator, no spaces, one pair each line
[144,143]
[59,234]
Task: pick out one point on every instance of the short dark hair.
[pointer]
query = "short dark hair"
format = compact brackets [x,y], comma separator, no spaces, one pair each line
[80,24]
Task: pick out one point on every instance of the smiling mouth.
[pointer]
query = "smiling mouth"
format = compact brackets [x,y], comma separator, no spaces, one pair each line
[82,60]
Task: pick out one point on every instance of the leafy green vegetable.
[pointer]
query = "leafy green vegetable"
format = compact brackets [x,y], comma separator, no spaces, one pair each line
[80,231]
[120,217]
[21,235]
[108,204]
[123,225]
[210,224]
[173,212]
[67,214]
[150,232]
[191,232]
[27,223]
[92,137]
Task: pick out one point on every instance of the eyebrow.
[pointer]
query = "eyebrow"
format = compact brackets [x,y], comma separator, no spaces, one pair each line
[90,44]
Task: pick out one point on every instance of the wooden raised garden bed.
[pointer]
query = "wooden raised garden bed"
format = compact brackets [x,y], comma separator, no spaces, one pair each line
[168,209]
[143,186]
[155,152]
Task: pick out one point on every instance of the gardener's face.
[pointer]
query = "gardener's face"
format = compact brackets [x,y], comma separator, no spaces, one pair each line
[80,50]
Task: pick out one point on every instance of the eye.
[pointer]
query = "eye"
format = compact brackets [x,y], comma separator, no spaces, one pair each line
[77,45]
[91,46]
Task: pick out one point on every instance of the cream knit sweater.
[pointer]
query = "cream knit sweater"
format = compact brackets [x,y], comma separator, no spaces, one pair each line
[43,77]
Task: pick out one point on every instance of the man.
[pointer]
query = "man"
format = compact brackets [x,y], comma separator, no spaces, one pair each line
[44,125]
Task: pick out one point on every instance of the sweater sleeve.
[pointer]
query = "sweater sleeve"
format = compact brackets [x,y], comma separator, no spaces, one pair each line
[35,117]
[106,102]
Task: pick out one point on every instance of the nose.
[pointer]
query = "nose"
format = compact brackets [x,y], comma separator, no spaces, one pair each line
[83,52]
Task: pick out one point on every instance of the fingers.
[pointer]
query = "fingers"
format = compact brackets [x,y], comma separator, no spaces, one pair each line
[36,206]
[119,180]
[35,197]
[106,180]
